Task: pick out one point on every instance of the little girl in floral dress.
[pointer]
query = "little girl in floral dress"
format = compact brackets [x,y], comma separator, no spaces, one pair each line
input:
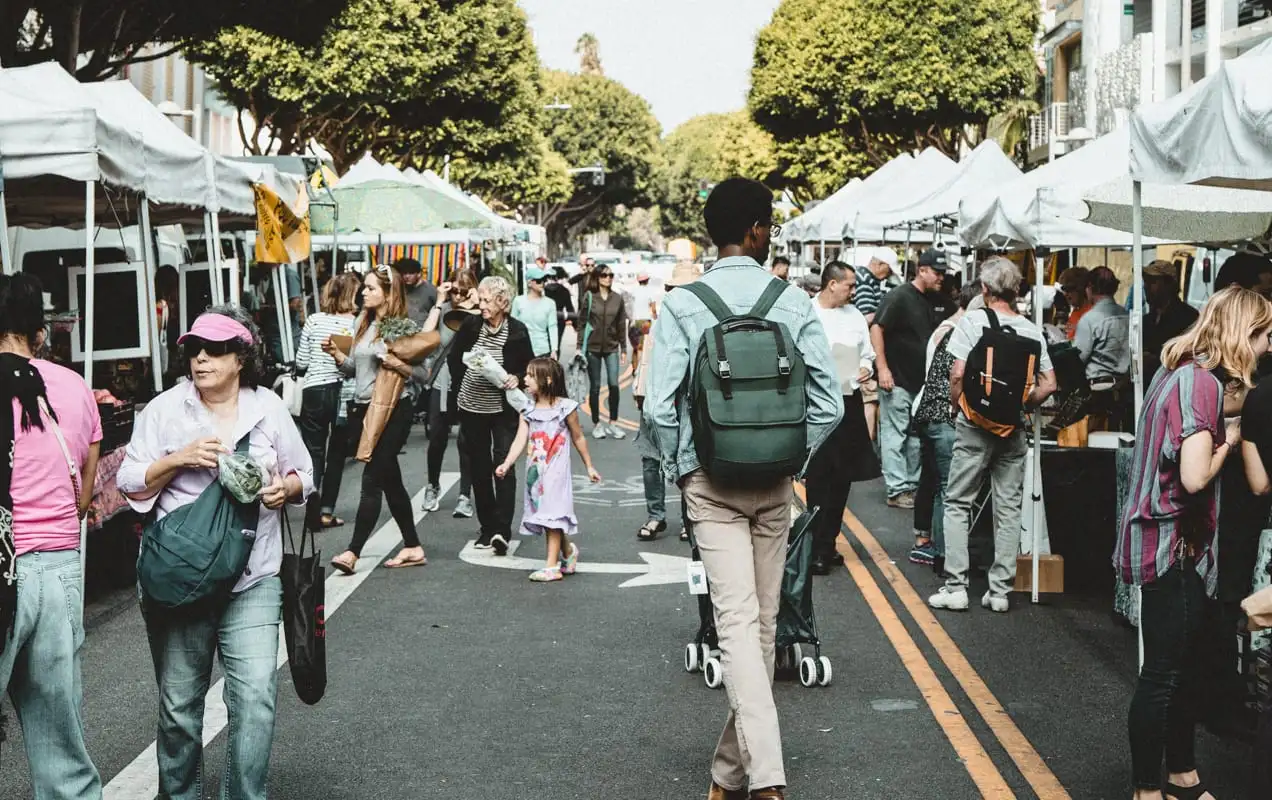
[547,419]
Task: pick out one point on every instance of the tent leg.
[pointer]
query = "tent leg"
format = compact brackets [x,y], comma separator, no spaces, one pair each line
[90,300]
[1035,496]
[151,259]
[282,309]
[236,274]
[214,271]
[6,249]
[313,281]
[1137,286]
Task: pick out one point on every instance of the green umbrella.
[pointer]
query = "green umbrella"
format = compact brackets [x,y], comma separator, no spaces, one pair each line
[384,206]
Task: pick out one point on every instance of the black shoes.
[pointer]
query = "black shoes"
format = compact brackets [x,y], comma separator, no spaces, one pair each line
[499,544]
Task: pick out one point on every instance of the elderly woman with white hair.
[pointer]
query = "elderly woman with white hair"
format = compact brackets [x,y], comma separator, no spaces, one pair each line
[488,424]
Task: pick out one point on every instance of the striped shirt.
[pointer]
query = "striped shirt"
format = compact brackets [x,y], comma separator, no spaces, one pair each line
[476,394]
[869,292]
[1160,514]
[320,368]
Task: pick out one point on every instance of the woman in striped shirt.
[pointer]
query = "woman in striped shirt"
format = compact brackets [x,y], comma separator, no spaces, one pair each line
[320,406]
[1168,543]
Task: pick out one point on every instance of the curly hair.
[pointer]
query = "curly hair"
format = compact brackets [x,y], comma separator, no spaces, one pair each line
[251,357]
[498,288]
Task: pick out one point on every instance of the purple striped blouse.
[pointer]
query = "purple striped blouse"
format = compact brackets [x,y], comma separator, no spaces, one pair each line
[1159,511]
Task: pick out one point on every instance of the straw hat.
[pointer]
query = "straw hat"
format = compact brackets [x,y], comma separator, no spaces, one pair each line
[683,273]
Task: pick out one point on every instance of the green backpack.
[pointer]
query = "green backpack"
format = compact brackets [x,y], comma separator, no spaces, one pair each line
[200,550]
[746,394]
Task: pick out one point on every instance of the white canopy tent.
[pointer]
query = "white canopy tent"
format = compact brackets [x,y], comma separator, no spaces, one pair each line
[826,221]
[984,168]
[931,167]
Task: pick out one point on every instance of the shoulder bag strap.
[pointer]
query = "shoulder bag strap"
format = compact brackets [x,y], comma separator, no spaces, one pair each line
[710,299]
[71,469]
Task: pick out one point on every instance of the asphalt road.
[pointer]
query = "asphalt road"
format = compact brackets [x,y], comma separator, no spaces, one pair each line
[465,680]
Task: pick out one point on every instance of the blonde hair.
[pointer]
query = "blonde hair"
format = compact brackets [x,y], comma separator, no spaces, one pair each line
[340,295]
[1221,336]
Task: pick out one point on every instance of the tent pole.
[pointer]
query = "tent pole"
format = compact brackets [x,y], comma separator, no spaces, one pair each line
[236,274]
[281,309]
[1035,498]
[1137,286]
[6,249]
[313,280]
[86,325]
[905,257]
[214,271]
[151,258]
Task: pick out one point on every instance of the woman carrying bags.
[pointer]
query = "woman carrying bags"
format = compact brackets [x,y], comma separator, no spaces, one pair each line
[320,406]
[602,338]
[382,299]
[1167,545]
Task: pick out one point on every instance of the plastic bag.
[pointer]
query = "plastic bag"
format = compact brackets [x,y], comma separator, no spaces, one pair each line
[480,361]
[242,477]
[577,382]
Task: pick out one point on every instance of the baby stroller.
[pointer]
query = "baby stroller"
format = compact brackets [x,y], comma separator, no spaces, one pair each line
[796,622]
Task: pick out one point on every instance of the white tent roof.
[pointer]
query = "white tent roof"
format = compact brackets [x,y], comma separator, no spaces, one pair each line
[799,228]
[985,167]
[1216,132]
[826,221]
[38,140]
[931,167]
[1045,207]
[1201,214]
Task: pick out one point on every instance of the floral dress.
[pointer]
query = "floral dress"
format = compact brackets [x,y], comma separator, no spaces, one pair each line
[549,481]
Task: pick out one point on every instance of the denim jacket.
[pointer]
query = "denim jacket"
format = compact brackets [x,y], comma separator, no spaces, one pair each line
[682,320]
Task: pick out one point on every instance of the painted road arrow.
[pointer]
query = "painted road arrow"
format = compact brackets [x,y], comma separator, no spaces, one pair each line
[657,570]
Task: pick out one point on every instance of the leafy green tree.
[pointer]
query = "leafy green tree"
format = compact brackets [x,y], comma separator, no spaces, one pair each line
[845,85]
[607,126]
[703,151]
[410,81]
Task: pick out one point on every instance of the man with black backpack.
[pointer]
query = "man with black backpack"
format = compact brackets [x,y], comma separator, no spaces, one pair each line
[742,391]
[1001,368]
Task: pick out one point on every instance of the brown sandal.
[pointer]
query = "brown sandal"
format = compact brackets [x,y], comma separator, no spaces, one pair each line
[345,566]
[331,521]
[397,562]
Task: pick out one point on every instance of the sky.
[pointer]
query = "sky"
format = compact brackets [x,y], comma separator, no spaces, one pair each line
[686,57]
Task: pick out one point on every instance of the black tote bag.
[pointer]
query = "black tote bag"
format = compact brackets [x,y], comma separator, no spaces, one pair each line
[304,614]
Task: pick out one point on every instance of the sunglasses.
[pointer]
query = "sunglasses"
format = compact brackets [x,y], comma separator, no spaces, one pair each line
[194,345]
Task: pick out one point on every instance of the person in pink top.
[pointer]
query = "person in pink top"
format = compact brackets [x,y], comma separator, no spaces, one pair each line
[49,435]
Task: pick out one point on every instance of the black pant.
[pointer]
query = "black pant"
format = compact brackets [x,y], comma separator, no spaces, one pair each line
[488,439]
[327,443]
[827,491]
[382,478]
[439,428]
[925,495]
[1167,703]
[594,363]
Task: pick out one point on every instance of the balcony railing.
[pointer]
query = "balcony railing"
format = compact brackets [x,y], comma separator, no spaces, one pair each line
[1046,126]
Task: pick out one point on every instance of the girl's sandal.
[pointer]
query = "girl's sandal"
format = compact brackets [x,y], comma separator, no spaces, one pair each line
[650,530]
[570,563]
[345,566]
[546,575]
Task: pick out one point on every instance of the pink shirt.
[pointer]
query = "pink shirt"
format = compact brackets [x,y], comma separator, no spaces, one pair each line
[45,515]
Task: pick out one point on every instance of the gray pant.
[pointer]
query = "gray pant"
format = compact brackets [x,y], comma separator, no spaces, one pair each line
[978,453]
[898,450]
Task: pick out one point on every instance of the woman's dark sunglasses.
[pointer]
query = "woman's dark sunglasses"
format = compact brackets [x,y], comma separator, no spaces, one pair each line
[194,345]
[605,275]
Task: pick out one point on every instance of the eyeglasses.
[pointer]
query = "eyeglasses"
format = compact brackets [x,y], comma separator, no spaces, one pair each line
[774,230]
[193,345]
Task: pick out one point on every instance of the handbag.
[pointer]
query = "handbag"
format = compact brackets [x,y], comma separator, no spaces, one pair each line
[304,613]
[198,551]
[292,390]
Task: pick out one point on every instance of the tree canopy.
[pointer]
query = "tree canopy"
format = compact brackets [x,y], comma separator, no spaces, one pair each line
[845,85]
[609,126]
[706,150]
[410,81]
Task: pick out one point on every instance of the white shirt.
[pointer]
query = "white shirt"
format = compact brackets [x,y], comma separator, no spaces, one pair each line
[847,326]
[644,298]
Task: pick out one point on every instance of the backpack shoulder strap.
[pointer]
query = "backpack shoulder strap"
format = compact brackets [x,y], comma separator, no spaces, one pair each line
[993,319]
[710,299]
[767,300]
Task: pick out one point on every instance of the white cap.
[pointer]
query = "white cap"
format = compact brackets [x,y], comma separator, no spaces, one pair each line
[887,255]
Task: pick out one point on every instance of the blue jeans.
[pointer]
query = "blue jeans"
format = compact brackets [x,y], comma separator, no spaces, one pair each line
[655,489]
[40,666]
[594,363]
[898,450]
[182,644]
[938,442]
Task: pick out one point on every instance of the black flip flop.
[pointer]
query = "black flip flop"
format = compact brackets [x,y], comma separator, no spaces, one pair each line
[684,534]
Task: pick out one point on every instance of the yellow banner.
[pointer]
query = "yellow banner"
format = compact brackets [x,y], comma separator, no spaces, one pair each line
[282,230]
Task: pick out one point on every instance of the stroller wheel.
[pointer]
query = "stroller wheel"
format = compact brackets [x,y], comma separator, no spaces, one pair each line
[797,656]
[713,673]
[808,672]
[704,654]
[692,662]
[823,671]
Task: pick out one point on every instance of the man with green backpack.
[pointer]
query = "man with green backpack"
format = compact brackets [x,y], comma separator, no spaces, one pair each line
[742,392]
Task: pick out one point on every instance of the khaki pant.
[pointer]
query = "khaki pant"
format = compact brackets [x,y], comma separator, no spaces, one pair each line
[741,536]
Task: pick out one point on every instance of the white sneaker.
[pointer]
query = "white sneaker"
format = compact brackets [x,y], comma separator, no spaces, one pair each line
[999,605]
[432,498]
[598,430]
[615,432]
[949,599]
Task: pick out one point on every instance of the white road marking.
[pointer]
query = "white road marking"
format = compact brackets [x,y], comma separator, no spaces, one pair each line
[140,779]
[657,570]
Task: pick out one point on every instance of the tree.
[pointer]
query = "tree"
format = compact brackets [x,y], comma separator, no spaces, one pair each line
[115,33]
[588,49]
[845,85]
[607,126]
[411,81]
[703,151]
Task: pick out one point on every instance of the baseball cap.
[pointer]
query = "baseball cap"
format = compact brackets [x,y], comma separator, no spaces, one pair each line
[642,277]
[535,274]
[934,258]
[887,255]
[217,328]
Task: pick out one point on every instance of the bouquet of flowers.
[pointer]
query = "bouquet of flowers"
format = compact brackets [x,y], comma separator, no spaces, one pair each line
[481,362]
[388,386]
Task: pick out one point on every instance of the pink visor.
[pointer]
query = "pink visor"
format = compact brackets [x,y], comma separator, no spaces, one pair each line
[217,328]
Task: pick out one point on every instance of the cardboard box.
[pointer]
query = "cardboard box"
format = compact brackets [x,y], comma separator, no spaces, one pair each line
[1050,574]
